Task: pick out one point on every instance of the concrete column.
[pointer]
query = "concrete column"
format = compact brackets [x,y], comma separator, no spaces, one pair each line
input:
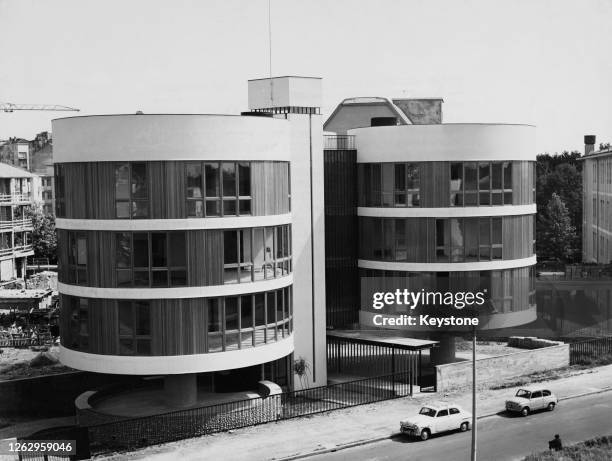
[181,390]
[445,352]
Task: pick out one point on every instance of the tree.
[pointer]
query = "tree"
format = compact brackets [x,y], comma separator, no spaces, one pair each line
[557,234]
[560,174]
[44,239]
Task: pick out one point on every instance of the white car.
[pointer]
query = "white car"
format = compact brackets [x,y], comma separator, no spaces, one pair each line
[533,398]
[435,418]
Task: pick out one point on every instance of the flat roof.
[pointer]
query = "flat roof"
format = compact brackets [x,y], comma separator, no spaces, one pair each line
[283,76]
[399,342]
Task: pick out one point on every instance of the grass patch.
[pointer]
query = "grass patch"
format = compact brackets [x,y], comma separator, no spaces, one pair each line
[597,449]
[541,376]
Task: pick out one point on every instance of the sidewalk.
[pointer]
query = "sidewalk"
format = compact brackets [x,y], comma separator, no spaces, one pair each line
[301,436]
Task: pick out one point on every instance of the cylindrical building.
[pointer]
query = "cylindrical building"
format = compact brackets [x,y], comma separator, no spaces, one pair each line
[174,237]
[450,207]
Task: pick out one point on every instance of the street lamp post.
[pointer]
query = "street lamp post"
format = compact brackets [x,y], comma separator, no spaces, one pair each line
[474,448]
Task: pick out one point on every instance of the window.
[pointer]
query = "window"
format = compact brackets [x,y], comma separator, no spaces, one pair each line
[389,184]
[256,254]
[454,411]
[484,183]
[442,413]
[77,257]
[546,393]
[218,189]
[150,259]
[536,395]
[195,196]
[134,327]
[131,191]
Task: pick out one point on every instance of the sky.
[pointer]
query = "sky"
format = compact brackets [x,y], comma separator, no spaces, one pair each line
[542,62]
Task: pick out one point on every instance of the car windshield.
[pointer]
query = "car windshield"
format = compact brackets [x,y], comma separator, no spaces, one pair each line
[523,393]
[427,412]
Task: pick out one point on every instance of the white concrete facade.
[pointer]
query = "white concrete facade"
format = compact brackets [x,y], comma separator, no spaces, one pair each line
[176,364]
[445,142]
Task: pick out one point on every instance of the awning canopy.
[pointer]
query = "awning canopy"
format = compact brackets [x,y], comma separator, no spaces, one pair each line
[399,342]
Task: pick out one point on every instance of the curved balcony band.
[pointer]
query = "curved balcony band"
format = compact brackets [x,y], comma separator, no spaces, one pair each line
[461,142]
[194,363]
[228,222]
[455,212]
[175,293]
[446,267]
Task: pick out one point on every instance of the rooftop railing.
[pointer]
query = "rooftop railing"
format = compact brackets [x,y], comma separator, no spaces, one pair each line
[339,142]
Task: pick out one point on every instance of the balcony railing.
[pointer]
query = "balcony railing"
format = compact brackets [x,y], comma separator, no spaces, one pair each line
[339,142]
[23,248]
[13,198]
[20,222]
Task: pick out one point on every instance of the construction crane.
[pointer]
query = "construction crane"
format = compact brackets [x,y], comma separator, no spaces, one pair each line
[10,107]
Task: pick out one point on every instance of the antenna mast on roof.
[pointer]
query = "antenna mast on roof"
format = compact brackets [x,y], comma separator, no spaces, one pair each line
[270,51]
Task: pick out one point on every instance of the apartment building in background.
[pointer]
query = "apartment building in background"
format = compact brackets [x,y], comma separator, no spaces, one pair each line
[597,203]
[192,246]
[17,196]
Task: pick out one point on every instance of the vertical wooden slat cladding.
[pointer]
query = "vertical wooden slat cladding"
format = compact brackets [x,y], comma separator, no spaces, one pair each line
[62,254]
[213,258]
[157,190]
[106,246]
[103,325]
[434,184]
[92,181]
[175,190]
[517,236]
[269,188]
[77,189]
[441,183]
[106,194]
[196,264]
[522,182]
[258,189]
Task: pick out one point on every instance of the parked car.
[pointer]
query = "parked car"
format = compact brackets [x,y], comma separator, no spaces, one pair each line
[530,399]
[436,418]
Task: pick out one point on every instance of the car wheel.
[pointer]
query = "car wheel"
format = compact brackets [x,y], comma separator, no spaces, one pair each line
[525,411]
[464,427]
[425,434]
[551,406]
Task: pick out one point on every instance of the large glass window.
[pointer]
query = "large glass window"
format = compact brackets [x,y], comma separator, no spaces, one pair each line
[150,259]
[484,183]
[131,191]
[226,187]
[256,253]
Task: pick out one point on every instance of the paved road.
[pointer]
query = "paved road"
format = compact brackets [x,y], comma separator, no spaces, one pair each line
[501,437]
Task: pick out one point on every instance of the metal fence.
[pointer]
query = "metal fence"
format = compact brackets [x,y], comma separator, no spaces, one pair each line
[194,422]
[585,352]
